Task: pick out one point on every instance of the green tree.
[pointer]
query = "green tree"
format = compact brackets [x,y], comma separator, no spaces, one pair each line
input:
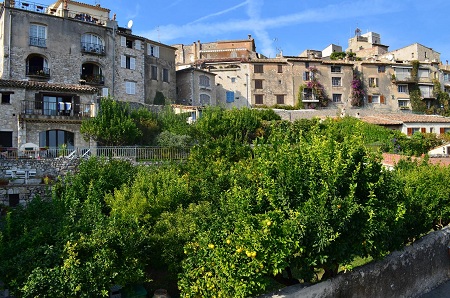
[159,99]
[113,126]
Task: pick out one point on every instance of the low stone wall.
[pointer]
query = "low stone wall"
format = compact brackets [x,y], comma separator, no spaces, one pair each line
[27,190]
[411,272]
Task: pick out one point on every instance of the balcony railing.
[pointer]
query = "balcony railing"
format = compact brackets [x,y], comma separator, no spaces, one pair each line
[30,6]
[38,71]
[93,48]
[141,154]
[67,109]
[95,79]
[38,42]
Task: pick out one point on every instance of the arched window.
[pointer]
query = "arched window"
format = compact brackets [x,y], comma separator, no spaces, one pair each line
[205,99]
[204,81]
[91,43]
[92,73]
[37,65]
[55,138]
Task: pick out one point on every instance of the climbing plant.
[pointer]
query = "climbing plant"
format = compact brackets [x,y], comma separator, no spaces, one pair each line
[415,96]
[357,95]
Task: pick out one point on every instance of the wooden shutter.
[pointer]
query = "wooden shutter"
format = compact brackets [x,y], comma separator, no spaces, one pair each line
[123,61]
[382,99]
[369,98]
[123,41]
[423,130]
[442,130]
[38,101]
[132,63]
[76,105]
[409,131]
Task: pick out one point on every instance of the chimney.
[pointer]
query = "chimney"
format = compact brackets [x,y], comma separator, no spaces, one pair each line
[249,36]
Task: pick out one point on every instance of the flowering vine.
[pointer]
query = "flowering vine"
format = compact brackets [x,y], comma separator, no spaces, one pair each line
[357,92]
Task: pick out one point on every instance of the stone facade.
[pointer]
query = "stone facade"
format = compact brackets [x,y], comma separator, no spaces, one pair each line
[196,87]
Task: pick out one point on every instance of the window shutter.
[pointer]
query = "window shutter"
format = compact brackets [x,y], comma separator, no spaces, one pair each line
[409,129]
[137,44]
[442,130]
[382,99]
[132,63]
[304,76]
[123,61]
[369,98]
[38,101]
[423,130]
[76,105]
[123,41]
[156,51]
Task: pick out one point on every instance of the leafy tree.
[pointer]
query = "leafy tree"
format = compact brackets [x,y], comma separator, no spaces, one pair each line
[159,99]
[337,55]
[113,126]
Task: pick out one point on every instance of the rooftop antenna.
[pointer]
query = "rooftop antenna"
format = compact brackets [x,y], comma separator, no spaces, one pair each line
[97,2]
[157,29]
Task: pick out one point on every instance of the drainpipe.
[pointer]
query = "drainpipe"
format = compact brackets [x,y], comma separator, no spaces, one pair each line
[113,60]
[192,87]
[9,45]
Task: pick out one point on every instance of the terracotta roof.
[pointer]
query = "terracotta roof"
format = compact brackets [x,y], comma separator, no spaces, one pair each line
[33,85]
[399,119]
[390,159]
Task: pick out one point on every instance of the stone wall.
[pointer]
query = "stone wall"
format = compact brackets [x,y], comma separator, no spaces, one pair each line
[27,190]
[411,272]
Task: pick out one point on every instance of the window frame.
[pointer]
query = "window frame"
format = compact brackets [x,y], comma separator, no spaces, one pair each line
[128,62]
[229,96]
[34,37]
[6,97]
[165,75]
[258,84]
[280,99]
[204,81]
[279,68]
[259,99]
[336,69]
[154,72]
[337,95]
[130,87]
[335,80]
[152,50]
[402,88]
[258,68]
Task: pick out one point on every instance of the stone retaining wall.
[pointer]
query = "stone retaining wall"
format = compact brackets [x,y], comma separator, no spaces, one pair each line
[411,272]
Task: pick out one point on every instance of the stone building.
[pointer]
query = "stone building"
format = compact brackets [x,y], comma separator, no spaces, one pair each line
[196,87]
[57,61]
[143,68]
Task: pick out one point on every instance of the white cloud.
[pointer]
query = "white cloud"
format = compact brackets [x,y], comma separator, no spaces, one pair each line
[260,26]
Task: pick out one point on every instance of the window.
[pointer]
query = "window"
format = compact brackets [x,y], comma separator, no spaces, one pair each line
[402,88]
[306,64]
[204,99]
[204,81]
[258,84]
[259,99]
[373,82]
[337,97]
[280,99]
[259,68]
[37,66]
[92,74]
[92,44]
[402,73]
[125,42]
[127,62]
[308,76]
[426,91]
[6,97]
[130,87]
[230,96]
[336,82]
[376,99]
[381,68]
[280,68]
[6,138]
[233,80]
[154,72]
[403,102]
[153,50]
[55,138]
[165,75]
[52,105]
[446,77]
[423,73]
[137,44]
[38,35]
[13,200]
[335,69]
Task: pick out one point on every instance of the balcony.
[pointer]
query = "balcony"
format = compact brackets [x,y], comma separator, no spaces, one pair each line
[56,110]
[38,72]
[93,79]
[38,42]
[30,6]
[93,48]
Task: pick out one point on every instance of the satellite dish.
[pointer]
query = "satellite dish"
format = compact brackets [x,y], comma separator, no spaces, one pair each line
[390,57]
[130,24]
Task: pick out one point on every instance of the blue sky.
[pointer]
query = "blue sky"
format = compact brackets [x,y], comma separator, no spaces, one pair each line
[288,25]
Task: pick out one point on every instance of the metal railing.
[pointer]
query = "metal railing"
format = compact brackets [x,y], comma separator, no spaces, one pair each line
[97,79]
[38,41]
[31,107]
[30,6]
[93,48]
[38,71]
[135,153]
